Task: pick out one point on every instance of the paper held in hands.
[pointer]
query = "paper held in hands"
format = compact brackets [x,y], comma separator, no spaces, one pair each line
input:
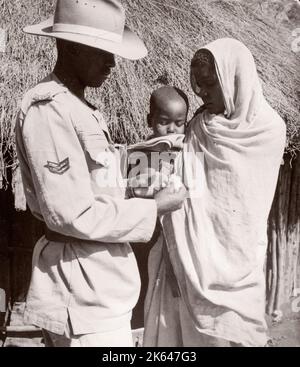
[151,164]
[159,144]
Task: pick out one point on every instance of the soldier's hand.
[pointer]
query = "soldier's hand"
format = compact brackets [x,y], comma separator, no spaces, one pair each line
[170,199]
[147,184]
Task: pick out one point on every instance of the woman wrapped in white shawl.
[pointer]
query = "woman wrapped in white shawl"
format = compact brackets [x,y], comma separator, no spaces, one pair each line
[216,244]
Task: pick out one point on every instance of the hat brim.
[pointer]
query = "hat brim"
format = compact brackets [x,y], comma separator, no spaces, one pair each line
[131,47]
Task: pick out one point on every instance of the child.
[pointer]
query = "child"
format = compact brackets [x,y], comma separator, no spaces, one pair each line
[167,118]
[168,111]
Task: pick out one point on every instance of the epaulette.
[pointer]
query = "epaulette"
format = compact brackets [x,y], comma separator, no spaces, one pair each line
[42,97]
[43,92]
[46,92]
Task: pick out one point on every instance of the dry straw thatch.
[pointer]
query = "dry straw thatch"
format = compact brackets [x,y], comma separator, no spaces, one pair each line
[173,30]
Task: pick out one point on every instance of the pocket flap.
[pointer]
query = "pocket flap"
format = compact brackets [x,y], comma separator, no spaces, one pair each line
[98,150]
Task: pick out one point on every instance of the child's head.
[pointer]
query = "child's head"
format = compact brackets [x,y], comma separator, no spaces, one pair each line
[168,111]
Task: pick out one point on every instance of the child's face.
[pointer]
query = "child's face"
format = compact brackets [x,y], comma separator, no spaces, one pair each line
[169,118]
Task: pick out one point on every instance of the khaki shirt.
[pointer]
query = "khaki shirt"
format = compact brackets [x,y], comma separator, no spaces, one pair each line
[73,184]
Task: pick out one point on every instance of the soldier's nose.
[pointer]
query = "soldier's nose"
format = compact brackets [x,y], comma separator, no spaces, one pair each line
[110,62]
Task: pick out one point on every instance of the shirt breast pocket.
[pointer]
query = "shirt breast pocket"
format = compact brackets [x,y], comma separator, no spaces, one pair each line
[97,151]
[103,164]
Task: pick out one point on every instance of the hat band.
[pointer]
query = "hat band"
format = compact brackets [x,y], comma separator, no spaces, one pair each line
[87,31]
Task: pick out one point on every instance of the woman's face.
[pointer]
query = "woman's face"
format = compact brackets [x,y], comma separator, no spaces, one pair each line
[208,87]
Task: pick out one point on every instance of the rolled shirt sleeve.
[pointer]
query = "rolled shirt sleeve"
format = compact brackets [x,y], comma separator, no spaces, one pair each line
[64,193]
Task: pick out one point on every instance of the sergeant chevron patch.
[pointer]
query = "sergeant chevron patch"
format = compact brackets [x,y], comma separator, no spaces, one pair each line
[58,168]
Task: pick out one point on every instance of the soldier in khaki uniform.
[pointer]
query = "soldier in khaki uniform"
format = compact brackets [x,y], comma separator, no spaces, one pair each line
[85,280]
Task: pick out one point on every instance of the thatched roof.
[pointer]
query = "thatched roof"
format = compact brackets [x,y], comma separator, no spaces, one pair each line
[173,30]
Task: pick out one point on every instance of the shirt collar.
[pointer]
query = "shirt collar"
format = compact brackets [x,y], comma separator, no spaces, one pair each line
[94,111]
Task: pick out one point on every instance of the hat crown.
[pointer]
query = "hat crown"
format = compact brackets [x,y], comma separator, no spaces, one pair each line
[102,15]
[95,23]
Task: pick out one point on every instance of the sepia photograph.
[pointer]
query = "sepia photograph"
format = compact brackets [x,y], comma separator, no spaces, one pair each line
[150,176]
